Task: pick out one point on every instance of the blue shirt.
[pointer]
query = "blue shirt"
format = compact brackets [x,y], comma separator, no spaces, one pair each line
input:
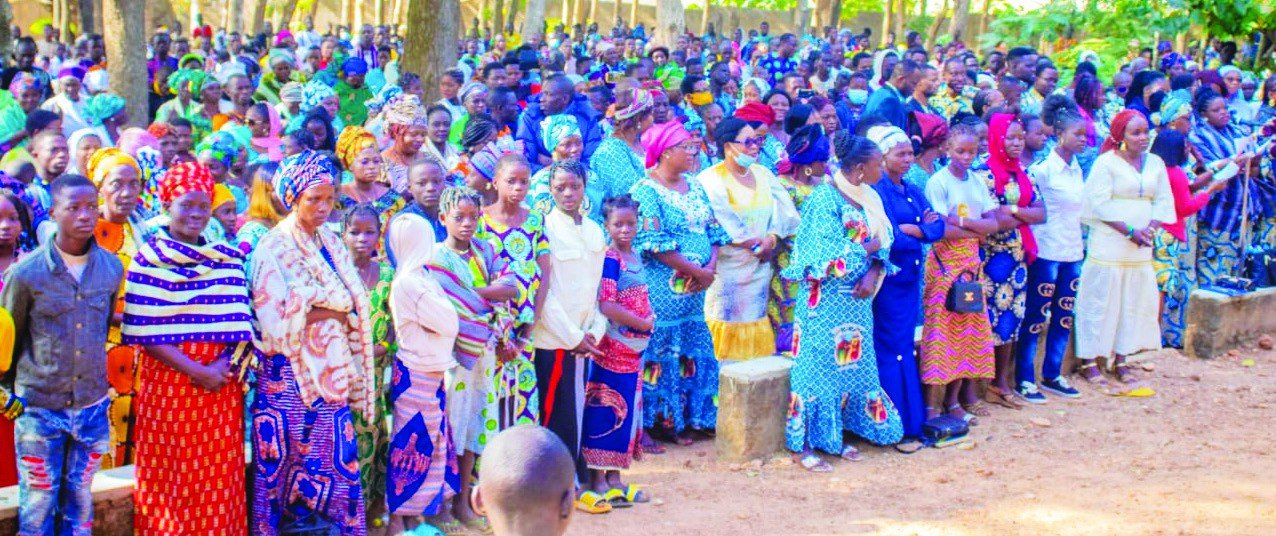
[776,67]
[888,103]
[904,204]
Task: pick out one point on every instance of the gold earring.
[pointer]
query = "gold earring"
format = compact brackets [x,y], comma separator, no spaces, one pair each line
[1122,145]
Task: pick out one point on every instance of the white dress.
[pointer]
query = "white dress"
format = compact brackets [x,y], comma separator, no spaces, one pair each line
[1117,303]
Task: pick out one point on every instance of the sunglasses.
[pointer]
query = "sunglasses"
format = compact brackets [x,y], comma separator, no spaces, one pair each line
[753,143]
[1121,90]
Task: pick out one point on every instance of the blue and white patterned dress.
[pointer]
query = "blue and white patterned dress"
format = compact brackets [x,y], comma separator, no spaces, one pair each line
[834,378]
[680,378]
[615,168]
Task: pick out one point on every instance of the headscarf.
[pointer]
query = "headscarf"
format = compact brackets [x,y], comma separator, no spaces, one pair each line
[71,72]
[354,66]
[756,112]
[1005,169]
[96,79]
[933,130]
[762,86]
[23,81]
[471,89]
[299,173]
[73,144]
[160,129]
[313,94]
[282,36]
[279,55]
[271,146]
[642,101]
[382,98]
[556,128]
[1177,104]
[886,137]
[1172,59]
[404,110]
[181,77]
[292,92]
[424,302]
[1115,135]
[185,178]
[221,146]
[351,142]
[807,146]
[134,138]
[106,159]
[221,196]
[484,161]
[102,106]
[660,138]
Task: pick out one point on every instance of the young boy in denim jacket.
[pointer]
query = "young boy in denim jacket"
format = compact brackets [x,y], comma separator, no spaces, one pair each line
[61,296]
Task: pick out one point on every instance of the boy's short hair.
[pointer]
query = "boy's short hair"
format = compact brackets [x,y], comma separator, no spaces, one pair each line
[67,182]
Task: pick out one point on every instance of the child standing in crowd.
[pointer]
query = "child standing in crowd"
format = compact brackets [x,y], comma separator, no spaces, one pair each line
[61,297]
[569,325]
[956,347]
[422,475]
[478,283]
[613,385]
[517,235]
[361,232]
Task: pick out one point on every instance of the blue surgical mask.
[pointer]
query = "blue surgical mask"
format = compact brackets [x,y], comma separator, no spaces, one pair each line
[857,97]
[745,160]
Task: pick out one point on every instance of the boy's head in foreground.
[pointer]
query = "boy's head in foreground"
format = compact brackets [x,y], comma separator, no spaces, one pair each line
[527,483]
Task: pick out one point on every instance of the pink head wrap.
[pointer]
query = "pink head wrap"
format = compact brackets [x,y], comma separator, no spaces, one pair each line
[659,138]
[135,138]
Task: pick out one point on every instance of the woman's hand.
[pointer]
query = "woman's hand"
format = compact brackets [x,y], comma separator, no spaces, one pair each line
[213,376]
[868,283]
[911,230]
[319,314]
[873,246]
[588,347]
[930,216]
[703,277]
[506,351]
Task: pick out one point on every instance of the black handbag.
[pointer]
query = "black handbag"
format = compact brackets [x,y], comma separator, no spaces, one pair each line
[966,296]
[943,428]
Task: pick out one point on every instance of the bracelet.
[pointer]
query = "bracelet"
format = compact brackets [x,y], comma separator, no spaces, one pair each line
[1129,231]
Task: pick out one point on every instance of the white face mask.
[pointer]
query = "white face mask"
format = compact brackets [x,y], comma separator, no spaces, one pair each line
[745,159]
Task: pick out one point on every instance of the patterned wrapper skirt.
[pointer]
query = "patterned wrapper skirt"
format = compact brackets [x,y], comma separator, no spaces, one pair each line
[612,407]
[422,473]
[955,346]
[190,451]
[307,457]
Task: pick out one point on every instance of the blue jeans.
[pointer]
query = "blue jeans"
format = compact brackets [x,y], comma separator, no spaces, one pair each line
[58,453]
[1052,287]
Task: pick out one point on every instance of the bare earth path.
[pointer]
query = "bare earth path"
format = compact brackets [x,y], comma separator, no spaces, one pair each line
[1197,459]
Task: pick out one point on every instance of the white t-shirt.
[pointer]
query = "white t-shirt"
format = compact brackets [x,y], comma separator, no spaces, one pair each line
[74,263]
[946,192]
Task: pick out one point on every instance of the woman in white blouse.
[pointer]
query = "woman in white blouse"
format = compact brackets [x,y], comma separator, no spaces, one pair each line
[1054,276]
[1126,198]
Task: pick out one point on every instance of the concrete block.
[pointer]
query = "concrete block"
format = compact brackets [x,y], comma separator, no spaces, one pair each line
[1217,323]
[753,402]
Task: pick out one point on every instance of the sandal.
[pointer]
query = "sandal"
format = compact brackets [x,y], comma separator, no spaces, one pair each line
[1089,371]
[649,446]
[851,454]
[1001,398]
[908,447]
[616,498]
[1123,372]
[977,408]
[815,464]
[969,418]
[633,494]
[591,502]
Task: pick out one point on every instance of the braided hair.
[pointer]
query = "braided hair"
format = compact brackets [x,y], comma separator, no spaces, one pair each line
[361,209]
[852,150]
[618,202]
[455,195]
[572,166]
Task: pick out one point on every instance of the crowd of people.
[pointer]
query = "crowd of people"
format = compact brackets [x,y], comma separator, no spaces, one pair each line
[302,254]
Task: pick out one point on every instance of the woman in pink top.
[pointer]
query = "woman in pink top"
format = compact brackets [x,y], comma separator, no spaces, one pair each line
[1172,256]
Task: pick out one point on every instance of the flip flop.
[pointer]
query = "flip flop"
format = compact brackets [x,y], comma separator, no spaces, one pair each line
[616,498]
[851,454]
[813,463]
[634,494]
[591,502]
[1141,391]
[908,447]
[1001,398]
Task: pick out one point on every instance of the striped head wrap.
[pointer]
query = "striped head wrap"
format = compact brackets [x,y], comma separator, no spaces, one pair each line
[300,172]
[291,92]
[484,161]
[22,82]
[642,102]
[471,89]
[183,179]
[106,159]
[313,94]
[351,142]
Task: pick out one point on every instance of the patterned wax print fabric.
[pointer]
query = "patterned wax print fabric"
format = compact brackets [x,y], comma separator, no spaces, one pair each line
[1005,270]
[122,361]
[423,474]
[373,433]
[389,204]
[783,297]
[955,346]
[616,166]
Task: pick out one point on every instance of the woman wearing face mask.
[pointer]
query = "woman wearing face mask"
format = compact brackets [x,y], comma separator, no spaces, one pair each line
[754,209]
[760,117]
[1126,198]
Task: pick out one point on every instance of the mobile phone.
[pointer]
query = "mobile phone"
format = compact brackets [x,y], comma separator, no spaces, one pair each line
[804,94]
[613,77]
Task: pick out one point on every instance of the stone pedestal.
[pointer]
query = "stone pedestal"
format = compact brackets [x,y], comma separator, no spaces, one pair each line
[753,402]
[1217,323]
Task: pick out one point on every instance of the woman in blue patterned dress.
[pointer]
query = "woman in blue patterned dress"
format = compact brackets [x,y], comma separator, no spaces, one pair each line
[840,255]
[617,164]
[678,239]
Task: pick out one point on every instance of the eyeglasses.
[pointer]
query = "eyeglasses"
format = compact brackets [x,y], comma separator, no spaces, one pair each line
[688,147]
[753,143]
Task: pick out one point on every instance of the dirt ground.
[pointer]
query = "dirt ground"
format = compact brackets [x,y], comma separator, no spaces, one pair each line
[1196,458]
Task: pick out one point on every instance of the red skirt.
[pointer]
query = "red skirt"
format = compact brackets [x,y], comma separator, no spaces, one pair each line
[190,451]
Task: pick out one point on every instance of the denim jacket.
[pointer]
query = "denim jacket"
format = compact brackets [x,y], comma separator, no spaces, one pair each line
[60,326]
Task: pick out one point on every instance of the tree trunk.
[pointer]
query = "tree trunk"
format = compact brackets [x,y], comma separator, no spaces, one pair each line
[888,21]
[802,17]
[593,11]
[566,16]
[633,13]
[397,14]
[88,17]
[6,28]
[983,20]
[704,18]
[670,23]
[378,12]
[933,33]
[961,13]
[534,23]
[498,17]
[430,46]
[513,15]
[615,11]
[283,14]
[581,13]
[125,22]
[901,13]
[835,13]
[237,15]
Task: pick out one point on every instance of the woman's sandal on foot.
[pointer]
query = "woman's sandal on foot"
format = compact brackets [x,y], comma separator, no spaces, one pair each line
[851,454]
[591,502]
[970,418]
[815,464]
[908,447]
[626,496]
